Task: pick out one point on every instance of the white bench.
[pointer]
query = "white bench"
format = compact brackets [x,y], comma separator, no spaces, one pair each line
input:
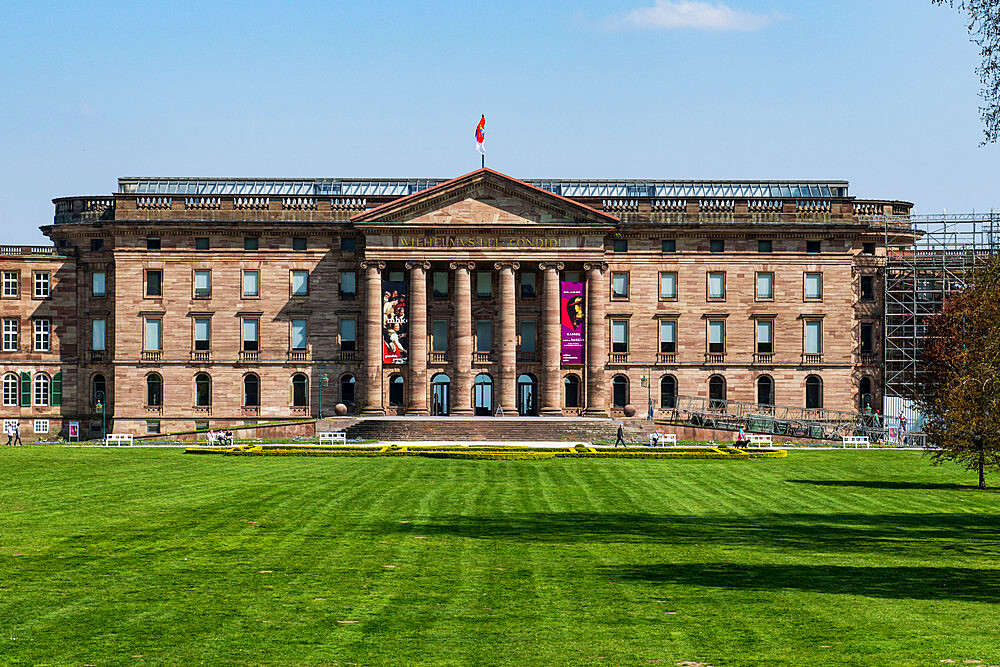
[855,441]
[118,439]
[760,439]
[663,439]
[333,438]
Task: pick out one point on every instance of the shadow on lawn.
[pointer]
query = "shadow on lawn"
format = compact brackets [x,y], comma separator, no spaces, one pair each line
[916,583]
[914,534]
[876,484]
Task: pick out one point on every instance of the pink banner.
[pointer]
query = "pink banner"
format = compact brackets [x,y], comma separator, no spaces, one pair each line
[573,322]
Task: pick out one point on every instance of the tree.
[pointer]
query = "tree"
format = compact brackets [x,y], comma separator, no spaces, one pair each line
[959,388]
[984,26]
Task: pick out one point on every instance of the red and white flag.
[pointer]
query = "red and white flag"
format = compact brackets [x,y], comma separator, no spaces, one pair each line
[481,135]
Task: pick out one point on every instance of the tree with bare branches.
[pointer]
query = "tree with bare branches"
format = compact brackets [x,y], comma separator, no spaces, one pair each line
[984,26]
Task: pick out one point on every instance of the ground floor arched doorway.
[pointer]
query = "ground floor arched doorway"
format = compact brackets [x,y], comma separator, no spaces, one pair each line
[527,392]
[483,391]
[440,386]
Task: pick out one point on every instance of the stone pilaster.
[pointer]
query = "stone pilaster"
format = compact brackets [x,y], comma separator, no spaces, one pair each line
[508,337]
[551,339]
[597,390]
[416,403]
[373,338]
[461,396]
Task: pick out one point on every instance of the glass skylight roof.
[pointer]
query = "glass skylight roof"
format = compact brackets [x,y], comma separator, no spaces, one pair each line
[598,189]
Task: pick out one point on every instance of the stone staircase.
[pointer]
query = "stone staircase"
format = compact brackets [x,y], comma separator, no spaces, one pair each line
[499,429]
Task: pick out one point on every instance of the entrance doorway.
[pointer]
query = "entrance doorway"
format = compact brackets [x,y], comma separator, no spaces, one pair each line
[439,394]
[484,395]
[527,389]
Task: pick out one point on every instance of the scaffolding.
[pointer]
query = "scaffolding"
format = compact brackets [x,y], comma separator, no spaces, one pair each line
[927,258]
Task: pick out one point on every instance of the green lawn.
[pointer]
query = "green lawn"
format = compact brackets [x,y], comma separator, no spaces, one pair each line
[151,556]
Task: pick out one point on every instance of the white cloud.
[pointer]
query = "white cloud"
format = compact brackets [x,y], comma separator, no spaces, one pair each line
[668,15]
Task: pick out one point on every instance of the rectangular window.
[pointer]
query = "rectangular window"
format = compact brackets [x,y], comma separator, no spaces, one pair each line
[439,336]
[43,335]
[41,426]
[98,283]
[668,336]
[98,330]
[41,390]
[299,243]
[668,286]
[619,336]
[717,336]
[42,284]
[717,245]
[867,288]
[154,328]
[528,283]
[867,338]
[484,284]
[348,335]
[154,282]
[397,276]
[668,245]
[251,334]
[765,340]
[765,285]
[300,283]
[348,284]
[202,284]
[764,246]
[347,243]
[814,285]
[251,284]
[152,244]
[299,334]
[251,243]
[96,245]
[619,285]
[572,277]
[484,335]
[814,246]
[619,245]
[202,243]
[717,285]
[11,335]
[440,284]
[527,333]
[11,284]
[814,337]
[202,333]
[867,248]
[153,427]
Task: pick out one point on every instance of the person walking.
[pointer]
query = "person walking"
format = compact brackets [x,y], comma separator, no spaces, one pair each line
[17,434]
[620,436]
[9,430]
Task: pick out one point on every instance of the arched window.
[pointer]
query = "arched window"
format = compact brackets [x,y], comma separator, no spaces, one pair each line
[251,390]
[765,390]
[347,385]
[571,386]
[865,394]
[300,390]
[619,391]
[202,390]
[42,388]
[154,390]
[10,389]
[814,392]
[98,389]
[396,383]
[716,392]
[668,392]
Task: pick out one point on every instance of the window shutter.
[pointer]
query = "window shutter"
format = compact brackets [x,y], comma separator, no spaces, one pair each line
[57,389]
[25,390]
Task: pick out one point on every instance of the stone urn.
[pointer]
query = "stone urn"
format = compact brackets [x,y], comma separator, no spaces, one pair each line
[629,410]
[340,409]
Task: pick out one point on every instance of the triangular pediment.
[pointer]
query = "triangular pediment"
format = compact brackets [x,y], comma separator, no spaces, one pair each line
[484,197]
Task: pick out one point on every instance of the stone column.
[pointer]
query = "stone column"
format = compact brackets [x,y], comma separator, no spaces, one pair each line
[461,395]
[551,339]
[416,394]
[373,338]
[508,337]
[597,390]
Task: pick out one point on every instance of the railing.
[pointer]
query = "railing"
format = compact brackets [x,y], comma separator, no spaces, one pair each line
[482,357]
[97,355]
[201,355]
[763,206]
[201,203]
[153,203]
[666,357]
[668,206]
[527,357]
[250,410]
[620,205]
[251,203]
[716,205]
[202,409]
[299,410]
[618,358]
[17,250]
[812,359]
[348,355]
[247,356]
[298,355]
[154,409]
[437,357]
[150,355]
[298,203]
[763,358]
[869,359]
[812,206]
[348,204]
[715,357]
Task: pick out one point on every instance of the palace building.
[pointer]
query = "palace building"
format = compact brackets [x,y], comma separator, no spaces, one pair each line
[181,303]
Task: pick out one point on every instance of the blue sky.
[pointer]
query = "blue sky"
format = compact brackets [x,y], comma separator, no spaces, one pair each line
[882,94]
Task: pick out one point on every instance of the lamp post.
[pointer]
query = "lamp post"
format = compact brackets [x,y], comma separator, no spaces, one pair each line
[99,395]
[647,380]
[324,381]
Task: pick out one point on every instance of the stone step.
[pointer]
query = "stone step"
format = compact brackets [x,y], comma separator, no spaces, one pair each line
[495,429]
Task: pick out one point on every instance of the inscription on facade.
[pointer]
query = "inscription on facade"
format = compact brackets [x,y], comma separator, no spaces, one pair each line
[470,241]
